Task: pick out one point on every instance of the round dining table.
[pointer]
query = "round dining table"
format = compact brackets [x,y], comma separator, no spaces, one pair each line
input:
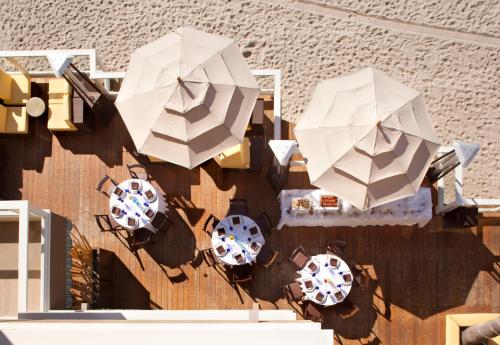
[134,203]
[237,240]
[325,279]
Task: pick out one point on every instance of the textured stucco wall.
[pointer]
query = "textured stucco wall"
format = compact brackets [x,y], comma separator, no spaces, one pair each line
[449,49]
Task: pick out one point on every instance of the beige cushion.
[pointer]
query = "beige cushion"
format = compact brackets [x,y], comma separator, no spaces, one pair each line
[20,89]
[237,157]
[5,85]
[455,321]
[60,106]
[13,120]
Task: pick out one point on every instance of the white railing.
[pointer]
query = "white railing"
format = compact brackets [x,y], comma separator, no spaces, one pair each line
[95,72]
[484,205]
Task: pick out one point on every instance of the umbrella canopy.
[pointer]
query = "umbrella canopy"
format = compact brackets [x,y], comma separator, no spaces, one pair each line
[367,138]
[187,97]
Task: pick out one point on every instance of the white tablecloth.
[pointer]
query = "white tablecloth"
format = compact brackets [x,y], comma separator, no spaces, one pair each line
[135,205]
[237,239]
[327,280]
[412,210]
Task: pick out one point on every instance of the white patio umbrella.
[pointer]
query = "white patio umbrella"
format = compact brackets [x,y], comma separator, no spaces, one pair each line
[367,138]
[187,97]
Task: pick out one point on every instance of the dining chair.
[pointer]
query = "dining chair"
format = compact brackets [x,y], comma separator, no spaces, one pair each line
[264,222]
[107,223]
[266,256]
[241,273]
[138,171]
[214,220]
[139,238]
[313,311]
[238,207]
[346,309]
[161,222]
[361,277]
[299,257]
[293,292]
[209,257]
[336,247]
[103,182]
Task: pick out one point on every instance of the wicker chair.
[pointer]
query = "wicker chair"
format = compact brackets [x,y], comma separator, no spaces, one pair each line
[299,257]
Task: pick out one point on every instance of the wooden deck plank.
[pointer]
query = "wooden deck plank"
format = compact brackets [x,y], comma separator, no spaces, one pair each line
[421,274]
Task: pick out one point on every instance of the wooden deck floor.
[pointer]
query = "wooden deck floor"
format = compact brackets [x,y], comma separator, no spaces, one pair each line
[419,274]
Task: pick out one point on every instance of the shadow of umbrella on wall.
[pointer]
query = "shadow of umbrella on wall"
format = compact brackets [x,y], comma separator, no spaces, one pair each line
[187,97]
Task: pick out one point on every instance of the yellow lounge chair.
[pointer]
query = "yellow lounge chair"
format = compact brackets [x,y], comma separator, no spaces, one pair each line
[13,120]
[60,106]
[237,157]
[15,89]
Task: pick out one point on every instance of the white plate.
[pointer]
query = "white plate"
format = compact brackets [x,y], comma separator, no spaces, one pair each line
[152,199]
[121,212]
[312,288]
[335,297]
[224,246]
[347,282]
[132,190]
[256,250]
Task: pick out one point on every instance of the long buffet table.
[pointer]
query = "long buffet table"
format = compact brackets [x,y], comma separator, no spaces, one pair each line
[412,210]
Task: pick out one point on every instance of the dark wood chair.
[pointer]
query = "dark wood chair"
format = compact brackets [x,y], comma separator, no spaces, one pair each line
[313,312]
[209,228]
[139,238]
[209,257]
[293,292]
[361,277]
[266,256]
[105,181]
[161,222]
[346,309]
[336,247]
[107,223]
[277,175]
[264,222]
[238,207]
[138,171]
[299,257]
[241,274]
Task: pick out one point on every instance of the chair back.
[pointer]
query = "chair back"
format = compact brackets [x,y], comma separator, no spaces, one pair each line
[138,171]
[313,312]
[266,256]
[214,220]
[293,292]
[140,238]
[102,182]
[336,247]
[241,273]
[238,207]
[208,257]
[346,309]
[299,257]
[161,222]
